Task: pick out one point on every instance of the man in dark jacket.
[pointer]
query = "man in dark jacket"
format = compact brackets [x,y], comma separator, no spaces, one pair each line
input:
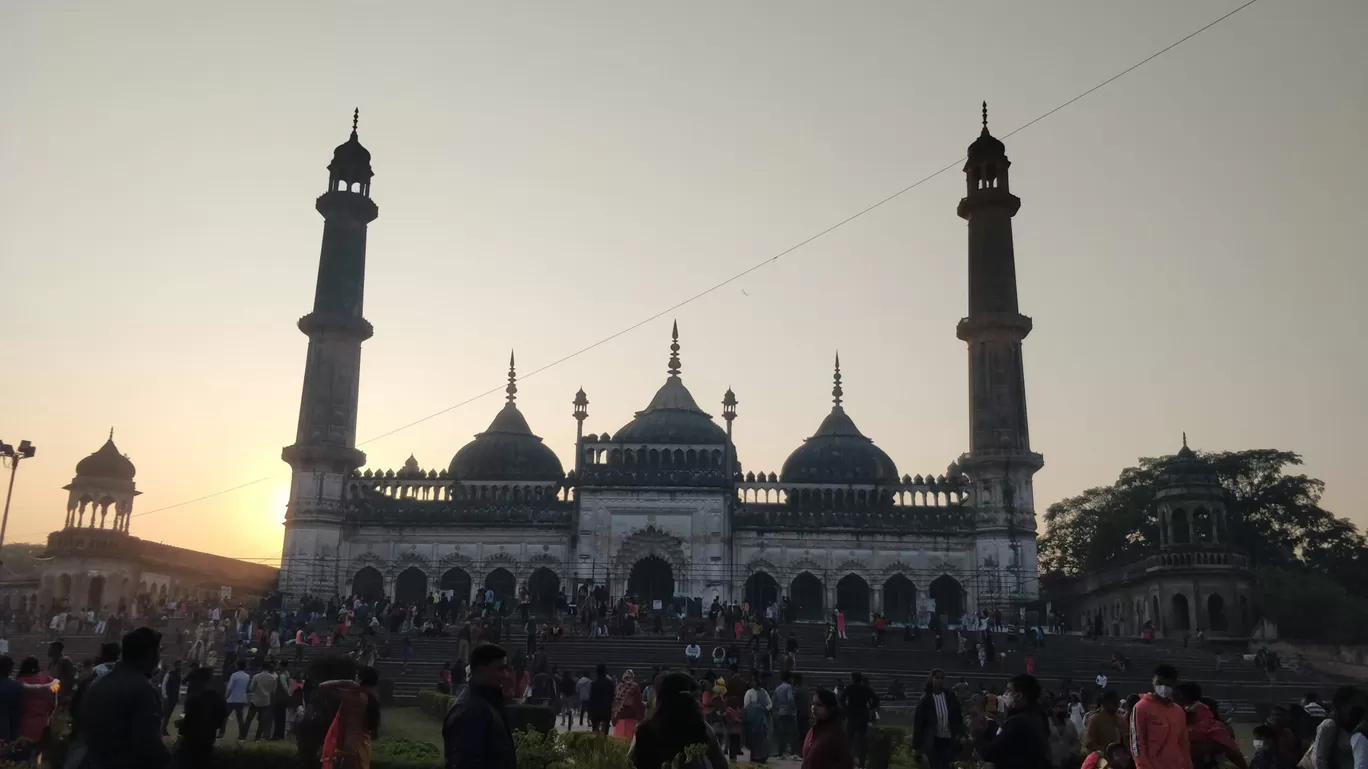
[859,703]
[601,695]
[938,722]
[476,734]
[121,715]
[1023,741]
[171,684]
[11,700]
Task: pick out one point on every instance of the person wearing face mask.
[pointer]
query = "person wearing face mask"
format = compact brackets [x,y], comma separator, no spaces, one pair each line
[1265,751]
[1158,726]
[1209,738]
[1064,740]
[1022,742]
[121,714]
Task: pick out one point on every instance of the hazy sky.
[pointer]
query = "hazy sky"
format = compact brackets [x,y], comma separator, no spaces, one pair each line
[549,173]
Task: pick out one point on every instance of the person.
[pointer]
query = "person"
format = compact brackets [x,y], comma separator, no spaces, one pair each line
[785,718]
[475,732]
[235,694]
[109,655]
[170,689]
[341,719]
[566,688]
[1333,745]
[717,721]
[859,703]
[676,723]
[121,716]
[1114,756]
[827,745]
[1208,738]
[41,691]
[627,706]
[204,711]
[61,668]
[1022,741]
[1287,745]
[829,647]
[938,722]
[583,686]
[11,701]
[1158,726]
[1104,726]
[259,690]
[1064,740]
[601,694]
[692,652]
[1265,748]
[280,701]
[756,707]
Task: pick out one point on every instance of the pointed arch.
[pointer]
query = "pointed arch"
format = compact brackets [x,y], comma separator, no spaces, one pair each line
[808,596]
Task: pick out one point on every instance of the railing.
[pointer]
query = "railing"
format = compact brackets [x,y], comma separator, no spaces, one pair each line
[378,509]
[765,517]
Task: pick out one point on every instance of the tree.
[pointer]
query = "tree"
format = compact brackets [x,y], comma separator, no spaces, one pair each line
[1307,604]
[1274,516]
[21,559]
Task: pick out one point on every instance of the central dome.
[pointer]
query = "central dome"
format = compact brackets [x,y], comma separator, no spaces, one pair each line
[672,415]
[107,463]
[507,450]
[838,452]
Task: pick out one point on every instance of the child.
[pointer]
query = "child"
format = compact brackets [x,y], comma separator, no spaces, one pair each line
[1265,748]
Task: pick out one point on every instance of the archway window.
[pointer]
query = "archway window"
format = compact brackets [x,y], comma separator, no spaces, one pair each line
[95,595]
[761,590]
[503,584]
[1182,618]
[1179,531]
[808,597]
[900,599]
[1216,615]
[411,586]
[543,588]
[369,584]
[457,580]
[651,579]
[948,594]
[852,596]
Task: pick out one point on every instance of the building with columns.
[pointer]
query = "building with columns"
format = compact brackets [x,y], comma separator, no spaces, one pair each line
[1194,581]
[661,507]
[95,563]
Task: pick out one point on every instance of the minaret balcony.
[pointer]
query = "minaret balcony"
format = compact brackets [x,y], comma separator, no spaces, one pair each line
[351,205]
[332,323]
[1012,326]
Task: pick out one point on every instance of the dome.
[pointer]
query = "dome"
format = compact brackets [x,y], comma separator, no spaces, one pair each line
[986,146]
[351,161]
[507,450]
[107,463]
[838,452]
[672,415]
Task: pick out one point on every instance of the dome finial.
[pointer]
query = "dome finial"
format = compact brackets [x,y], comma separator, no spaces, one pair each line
[1185,439]
[512,388]
[836,391]
[674,350]
[985,116]
[356,118]
[111,433]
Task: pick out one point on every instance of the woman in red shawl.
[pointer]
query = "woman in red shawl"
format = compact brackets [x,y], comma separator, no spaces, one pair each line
[827,745]
[40,699]
[627,706]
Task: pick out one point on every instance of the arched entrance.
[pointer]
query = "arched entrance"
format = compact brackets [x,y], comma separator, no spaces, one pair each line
[543,587]
[1182,617]
[1216,615]
[503,584]
[651,580]
[1154,611]
[948,594]
[369,584]
[852,598]
[808,597]
[457,580]
[761,590]
[64,587]
[95,595]
[900,599]
[411,586]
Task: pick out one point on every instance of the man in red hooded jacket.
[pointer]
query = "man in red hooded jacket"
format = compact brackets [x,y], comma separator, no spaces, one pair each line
[1158,726]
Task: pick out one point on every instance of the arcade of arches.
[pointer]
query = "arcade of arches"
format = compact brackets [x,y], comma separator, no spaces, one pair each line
[895,597]
[1222,608]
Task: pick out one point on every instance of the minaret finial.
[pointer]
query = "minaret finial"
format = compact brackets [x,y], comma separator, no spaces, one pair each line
[985,116]
[111,433]
[356,118]
[512,388]
[836,391]
[1185,439]
[674,350]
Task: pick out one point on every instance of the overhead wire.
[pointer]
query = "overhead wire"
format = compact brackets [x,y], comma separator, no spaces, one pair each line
[758,265]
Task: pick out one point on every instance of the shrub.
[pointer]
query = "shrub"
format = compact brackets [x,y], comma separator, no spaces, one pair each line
[884,742]
[257,756]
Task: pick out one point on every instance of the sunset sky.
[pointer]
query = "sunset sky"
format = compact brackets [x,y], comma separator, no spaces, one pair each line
[548,174]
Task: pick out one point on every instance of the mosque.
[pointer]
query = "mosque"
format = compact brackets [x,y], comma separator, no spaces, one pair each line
[660,507]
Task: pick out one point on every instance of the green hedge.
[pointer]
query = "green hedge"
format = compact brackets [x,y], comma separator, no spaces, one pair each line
[520,716]
[885,743]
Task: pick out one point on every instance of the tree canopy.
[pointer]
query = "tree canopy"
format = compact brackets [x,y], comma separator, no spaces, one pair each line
[1274,515]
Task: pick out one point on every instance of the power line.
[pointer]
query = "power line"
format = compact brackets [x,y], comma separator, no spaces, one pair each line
[758,265]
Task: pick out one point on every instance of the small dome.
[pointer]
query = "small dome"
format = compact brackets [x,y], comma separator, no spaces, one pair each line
[986,146]
[351,161]
[673,416]
[107,463]
[838,452]
[410,469]
[507,451]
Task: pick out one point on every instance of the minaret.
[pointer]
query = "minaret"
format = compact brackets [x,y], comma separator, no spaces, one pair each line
[1000,462]
[324,453]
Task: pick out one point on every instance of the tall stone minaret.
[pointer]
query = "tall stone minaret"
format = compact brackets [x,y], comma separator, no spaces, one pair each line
[1000,462]
[324,453]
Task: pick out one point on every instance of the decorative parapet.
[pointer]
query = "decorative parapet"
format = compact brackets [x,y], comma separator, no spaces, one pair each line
[373,508]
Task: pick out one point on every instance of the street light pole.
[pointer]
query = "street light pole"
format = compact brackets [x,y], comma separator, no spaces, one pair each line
[24,450]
